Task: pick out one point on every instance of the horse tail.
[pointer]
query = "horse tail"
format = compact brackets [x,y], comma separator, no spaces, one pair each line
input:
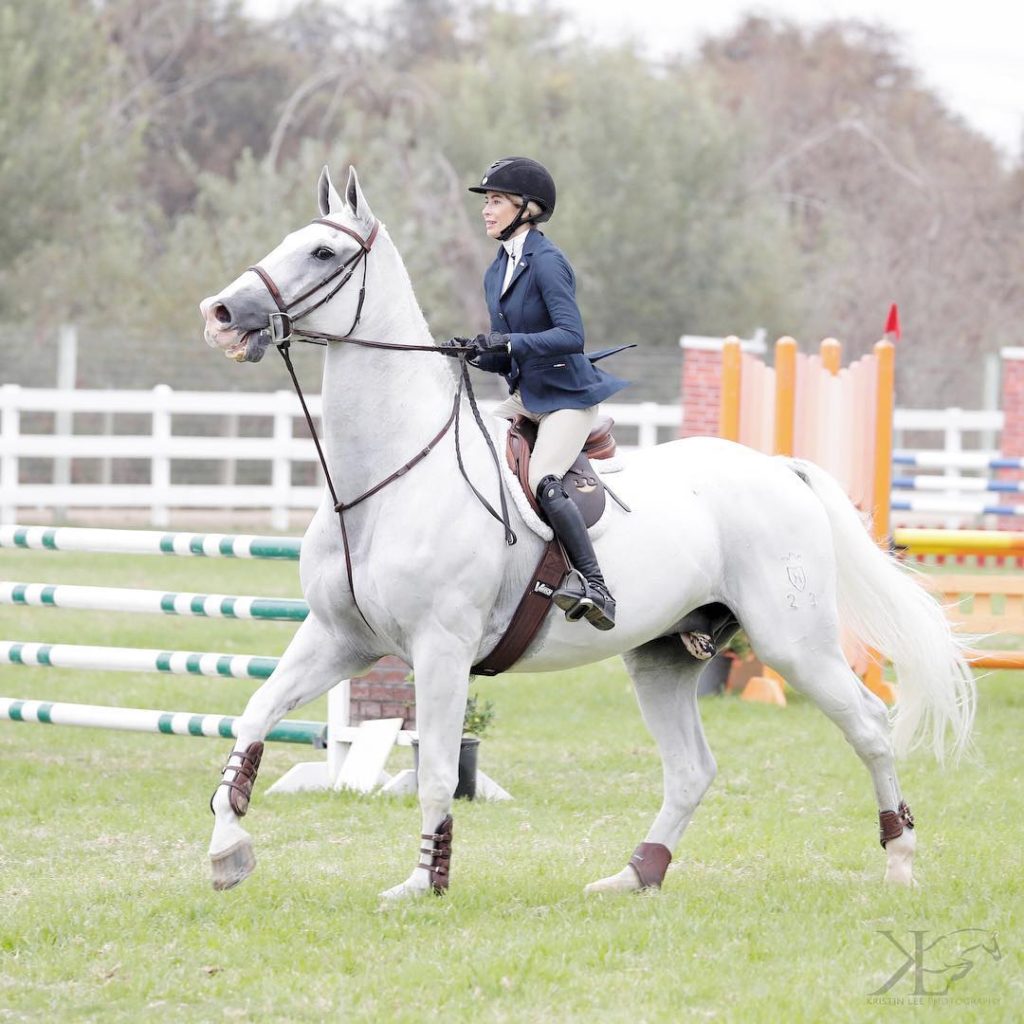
[883,604]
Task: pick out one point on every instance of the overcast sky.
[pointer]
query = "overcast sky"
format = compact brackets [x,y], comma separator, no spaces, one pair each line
[971,53]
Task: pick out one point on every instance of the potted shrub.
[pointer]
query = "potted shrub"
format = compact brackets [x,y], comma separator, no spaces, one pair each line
[477,720]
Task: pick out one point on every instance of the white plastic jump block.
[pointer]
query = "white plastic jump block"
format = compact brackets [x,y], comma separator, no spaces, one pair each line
[404,784]
[356,756]
[367,756]
[361,768]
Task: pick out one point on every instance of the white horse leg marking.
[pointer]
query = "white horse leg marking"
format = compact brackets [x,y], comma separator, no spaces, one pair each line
[442,684]
[310,666]
[825,677]
[899,852]
[666,687]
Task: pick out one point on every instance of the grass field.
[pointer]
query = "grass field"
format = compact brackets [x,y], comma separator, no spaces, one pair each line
[772,911]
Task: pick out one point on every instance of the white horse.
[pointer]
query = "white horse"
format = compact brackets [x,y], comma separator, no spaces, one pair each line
[713,525]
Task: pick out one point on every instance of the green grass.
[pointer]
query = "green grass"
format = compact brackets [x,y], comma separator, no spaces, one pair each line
[772,910]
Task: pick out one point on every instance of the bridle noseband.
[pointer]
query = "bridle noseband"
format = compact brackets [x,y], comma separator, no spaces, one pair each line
[282,332]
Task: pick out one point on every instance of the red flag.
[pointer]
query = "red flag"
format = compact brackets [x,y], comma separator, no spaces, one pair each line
[892,325]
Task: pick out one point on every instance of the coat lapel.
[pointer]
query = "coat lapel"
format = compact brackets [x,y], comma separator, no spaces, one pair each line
[530,246]
[492,280]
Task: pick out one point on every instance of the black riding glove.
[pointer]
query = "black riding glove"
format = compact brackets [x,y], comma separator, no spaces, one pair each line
[493,352]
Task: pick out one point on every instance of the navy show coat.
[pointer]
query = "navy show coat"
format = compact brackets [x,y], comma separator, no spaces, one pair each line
[539,313]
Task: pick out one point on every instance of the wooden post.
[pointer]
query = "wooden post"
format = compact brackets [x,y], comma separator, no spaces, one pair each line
[882,490]
[885,383]
[769,687]
[785,395]
[729,417]
[63,420]
[831,355]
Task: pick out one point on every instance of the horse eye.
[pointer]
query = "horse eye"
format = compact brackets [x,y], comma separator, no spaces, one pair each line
[323,253]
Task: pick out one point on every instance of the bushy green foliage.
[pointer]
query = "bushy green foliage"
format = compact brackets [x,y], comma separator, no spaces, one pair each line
[479,715]
[69,158]
[793,179]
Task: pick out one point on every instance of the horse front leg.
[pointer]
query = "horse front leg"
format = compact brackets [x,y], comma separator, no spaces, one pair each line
[313,662]
[442,683]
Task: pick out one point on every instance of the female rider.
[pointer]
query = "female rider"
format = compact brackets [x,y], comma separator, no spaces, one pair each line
[536,343]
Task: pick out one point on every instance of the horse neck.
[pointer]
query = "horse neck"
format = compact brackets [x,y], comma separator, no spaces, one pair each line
[381,407]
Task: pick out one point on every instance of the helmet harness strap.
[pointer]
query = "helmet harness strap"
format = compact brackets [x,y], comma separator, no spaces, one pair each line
[516,221]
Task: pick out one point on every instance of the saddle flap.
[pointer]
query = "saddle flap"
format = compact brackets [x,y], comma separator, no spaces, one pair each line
[582,483]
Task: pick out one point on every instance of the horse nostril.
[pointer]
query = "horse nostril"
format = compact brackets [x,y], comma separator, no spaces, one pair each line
[222,313]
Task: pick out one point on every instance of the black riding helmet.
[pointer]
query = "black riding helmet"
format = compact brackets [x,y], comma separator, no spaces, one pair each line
[523,177]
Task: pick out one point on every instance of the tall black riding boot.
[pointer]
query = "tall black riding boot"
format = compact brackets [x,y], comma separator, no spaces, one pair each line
[587,597]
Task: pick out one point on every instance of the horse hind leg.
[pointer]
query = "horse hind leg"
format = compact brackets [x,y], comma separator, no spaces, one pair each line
[310,666]
[665,678]
[826,679]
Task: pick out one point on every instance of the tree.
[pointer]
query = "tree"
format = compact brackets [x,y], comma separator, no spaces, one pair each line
[68,157]
[888,195]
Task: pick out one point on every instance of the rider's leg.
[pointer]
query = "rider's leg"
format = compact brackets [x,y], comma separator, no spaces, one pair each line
[560,438]
[513,407]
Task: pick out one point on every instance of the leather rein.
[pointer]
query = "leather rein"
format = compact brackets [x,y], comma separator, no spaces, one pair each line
[282,332]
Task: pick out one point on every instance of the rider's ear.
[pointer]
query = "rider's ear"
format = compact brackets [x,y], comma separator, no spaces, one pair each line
[356,200]
[326,195]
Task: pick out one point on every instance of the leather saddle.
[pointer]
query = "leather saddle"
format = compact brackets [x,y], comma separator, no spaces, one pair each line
[582,483]
[584,487]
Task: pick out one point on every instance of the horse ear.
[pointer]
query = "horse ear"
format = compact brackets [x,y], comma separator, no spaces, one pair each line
[326,194]
[356,200]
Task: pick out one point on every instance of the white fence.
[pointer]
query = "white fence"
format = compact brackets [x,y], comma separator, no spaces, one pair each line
[45,465]
[284,455]
[946,478]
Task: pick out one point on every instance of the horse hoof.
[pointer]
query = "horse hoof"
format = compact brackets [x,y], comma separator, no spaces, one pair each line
[400,893]
[625,881]
[233,865]
[900,875]
[899,868]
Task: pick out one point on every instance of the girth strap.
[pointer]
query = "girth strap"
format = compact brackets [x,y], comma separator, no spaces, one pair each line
[530,613]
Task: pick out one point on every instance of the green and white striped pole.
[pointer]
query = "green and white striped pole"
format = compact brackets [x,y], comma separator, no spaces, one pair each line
[137,659]
[148,542]
[171,723]
[116,599]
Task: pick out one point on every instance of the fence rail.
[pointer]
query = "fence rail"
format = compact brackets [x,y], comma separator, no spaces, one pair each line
[46,464]
[167,454]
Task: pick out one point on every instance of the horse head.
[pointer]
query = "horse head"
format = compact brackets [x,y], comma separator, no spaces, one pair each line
[303,276]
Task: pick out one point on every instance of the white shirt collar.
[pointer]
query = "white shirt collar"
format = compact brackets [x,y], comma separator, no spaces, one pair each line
[514,246]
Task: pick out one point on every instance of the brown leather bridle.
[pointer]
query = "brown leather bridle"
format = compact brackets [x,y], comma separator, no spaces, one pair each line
[282,332]
[345,272]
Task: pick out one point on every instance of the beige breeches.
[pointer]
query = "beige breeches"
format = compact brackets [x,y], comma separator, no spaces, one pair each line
[560,436]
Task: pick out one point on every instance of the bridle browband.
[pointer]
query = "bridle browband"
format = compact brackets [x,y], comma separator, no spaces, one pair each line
[282,332]
[347,268]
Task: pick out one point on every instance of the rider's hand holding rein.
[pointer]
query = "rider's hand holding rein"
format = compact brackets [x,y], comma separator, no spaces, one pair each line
[493,352]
